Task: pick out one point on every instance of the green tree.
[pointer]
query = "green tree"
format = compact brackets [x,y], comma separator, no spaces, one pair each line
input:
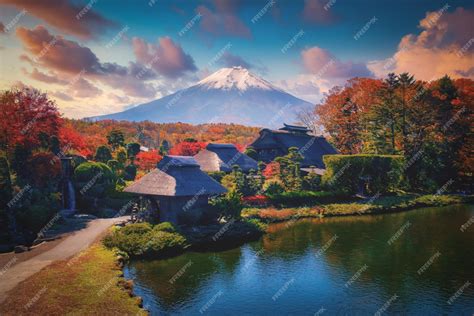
[130,173]
[290,174]
[133,149]
[116,139]
[121,157]
[103,154]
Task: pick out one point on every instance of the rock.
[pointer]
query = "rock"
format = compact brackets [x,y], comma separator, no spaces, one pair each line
[21,248]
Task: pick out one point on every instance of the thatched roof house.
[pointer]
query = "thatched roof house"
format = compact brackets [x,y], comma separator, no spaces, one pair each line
[178,189]
[221,157]
[275,143]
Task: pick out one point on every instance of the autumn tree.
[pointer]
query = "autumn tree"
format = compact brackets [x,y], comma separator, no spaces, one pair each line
[147,160]
[187,148]
[25,115]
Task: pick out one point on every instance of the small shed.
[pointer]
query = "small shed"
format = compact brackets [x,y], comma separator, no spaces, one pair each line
[178,191]
[221,157]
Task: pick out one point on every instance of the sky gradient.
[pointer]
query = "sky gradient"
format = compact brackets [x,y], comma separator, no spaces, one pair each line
[101,56]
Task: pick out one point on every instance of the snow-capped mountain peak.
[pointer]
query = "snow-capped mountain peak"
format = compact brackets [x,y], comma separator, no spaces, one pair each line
[230,95]
[235,78]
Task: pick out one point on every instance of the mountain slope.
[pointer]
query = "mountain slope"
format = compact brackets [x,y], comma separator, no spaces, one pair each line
[230,95]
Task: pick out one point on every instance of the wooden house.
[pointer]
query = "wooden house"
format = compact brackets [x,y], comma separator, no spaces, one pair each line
[275,143]
[177,190]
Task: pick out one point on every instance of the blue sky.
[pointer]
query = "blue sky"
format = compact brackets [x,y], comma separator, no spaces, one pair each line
[144,29]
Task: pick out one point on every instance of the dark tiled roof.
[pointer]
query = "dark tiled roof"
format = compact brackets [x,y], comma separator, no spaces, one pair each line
[221,157]
[313,148]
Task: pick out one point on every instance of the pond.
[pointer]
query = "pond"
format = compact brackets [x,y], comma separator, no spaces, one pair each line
[418,262]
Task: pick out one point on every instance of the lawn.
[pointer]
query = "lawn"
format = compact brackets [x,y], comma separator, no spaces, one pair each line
[377,205]
[88,284]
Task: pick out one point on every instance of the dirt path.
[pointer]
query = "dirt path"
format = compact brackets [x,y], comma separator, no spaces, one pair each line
[13,273]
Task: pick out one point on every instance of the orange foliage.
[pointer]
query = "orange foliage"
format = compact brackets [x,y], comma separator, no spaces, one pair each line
[147,160]
[187,148]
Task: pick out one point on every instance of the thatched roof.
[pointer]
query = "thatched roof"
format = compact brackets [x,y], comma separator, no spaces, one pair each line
[313,148]
[221,157]
[176,176]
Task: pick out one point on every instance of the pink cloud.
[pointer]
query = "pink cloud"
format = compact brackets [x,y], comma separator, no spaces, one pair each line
[317,11]
[166,58]
[69,58]
[43,77]
[66,16]
[444,46]
[322,63]
[223,21]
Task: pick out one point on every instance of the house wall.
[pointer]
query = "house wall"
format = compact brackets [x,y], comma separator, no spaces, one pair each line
[183,209]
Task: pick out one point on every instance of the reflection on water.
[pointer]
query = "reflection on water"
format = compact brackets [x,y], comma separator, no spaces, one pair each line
[411,262]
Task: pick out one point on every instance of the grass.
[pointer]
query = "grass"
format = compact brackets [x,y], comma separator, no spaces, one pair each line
[384,204]
[88,284]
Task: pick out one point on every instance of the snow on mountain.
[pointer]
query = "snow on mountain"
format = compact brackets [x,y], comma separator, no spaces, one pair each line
[230,95]
[235,78]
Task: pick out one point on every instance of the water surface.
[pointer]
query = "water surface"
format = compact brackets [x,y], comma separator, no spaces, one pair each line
[412,262]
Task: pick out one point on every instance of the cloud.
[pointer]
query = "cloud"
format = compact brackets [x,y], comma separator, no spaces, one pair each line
[43,77]
[309,87]
[84,89]
[322,63]
[166,58]
[444,46]
[71,59]
[61,95]
[70,18]
[223,21]
[318,11]
[119,99]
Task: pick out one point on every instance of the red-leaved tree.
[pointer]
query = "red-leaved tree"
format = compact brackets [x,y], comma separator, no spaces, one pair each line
[187,148]
[147,160]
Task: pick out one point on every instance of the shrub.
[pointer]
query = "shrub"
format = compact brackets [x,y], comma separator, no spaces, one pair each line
[44,167]
[165,227]
[257,200]
[229,206]
[142,239]
[93,180]
[370,174]
[103,154]
[272,187]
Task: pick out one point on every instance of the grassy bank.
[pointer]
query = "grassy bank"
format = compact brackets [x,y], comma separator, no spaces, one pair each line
[378,205]
[88,284]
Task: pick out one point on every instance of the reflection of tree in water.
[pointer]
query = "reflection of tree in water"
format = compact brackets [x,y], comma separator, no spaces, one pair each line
[198,268]
[362,240]
[392,267]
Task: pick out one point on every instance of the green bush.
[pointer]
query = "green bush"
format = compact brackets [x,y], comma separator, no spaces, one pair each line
[273,187]
[300,198]
[165,227]
[144,240]
[228,206]
[93,180]
[103,154]
[369,174]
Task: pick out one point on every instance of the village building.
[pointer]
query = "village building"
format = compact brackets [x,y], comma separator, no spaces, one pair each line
[177,191]
[222,157]
[275,143]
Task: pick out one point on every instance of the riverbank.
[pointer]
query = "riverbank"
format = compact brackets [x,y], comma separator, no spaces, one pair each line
[91,283]
[375,205]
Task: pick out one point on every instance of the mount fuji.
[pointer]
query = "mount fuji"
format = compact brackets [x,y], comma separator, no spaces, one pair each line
[230,95]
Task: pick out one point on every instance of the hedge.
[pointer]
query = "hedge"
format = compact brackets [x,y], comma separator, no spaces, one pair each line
[309,198]
[372,173]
